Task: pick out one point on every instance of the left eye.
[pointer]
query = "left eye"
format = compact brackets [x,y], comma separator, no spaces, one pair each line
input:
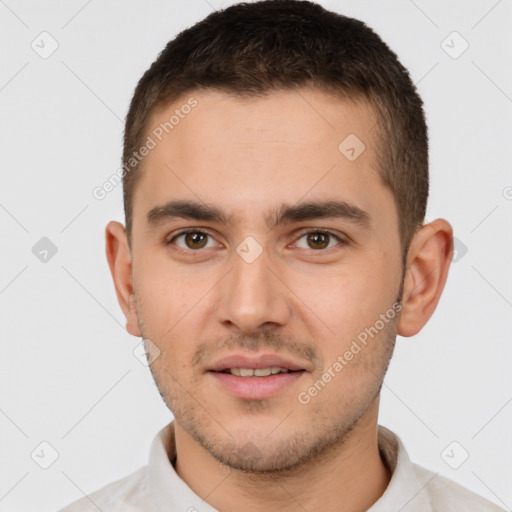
[319,240]
[193,240]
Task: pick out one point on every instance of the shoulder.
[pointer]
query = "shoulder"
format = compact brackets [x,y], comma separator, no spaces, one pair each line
[449,496]
[128,494]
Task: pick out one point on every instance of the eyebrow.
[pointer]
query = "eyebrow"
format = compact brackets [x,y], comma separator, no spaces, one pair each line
[285,214]
[319,210]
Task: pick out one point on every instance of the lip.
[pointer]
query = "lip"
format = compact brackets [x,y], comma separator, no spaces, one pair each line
[255,362]
[256,388]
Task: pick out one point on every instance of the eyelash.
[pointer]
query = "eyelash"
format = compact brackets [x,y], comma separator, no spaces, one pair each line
[303,233]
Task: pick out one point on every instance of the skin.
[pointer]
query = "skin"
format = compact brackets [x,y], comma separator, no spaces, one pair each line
[249,157]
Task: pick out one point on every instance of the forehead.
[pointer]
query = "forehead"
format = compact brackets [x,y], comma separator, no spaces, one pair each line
[250,155]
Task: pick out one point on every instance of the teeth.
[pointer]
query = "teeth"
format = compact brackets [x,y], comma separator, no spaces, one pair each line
[262,372]
[258,372]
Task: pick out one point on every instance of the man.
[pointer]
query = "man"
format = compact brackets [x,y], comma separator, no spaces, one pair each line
[275,188]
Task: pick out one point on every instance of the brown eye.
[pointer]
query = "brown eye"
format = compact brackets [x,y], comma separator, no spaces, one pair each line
[192,240]
[318,240]
[195,240]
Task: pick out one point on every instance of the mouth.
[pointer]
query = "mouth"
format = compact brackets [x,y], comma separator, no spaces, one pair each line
[264,364]
[258,372]
[253,387]
[256,378]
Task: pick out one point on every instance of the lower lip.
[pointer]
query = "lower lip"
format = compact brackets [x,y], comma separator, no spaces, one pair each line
[256,388]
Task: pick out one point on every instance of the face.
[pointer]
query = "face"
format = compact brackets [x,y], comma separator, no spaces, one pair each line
[260,245]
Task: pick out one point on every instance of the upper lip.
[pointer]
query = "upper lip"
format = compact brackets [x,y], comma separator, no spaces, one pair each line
[254,362]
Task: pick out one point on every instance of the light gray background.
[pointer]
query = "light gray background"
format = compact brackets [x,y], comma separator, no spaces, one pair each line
[68,375]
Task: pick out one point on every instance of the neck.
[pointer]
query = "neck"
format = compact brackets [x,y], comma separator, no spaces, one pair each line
[350,477]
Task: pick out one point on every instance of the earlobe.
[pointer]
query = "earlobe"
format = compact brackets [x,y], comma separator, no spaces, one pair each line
[428,262]
[120,264]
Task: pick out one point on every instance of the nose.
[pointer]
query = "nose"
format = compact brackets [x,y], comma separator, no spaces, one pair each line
[252,297]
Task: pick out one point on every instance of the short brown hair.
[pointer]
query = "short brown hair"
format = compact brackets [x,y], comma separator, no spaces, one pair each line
[252,49]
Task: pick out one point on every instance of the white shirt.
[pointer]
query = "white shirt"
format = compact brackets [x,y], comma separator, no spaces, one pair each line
[158,488]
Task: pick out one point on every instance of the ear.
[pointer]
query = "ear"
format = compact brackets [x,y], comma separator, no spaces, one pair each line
[428,261]
[120,263]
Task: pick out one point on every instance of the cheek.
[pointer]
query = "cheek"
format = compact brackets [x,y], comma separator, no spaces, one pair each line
[162,300]
[343,304]
[165,285]
[344,297]
[172,306]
